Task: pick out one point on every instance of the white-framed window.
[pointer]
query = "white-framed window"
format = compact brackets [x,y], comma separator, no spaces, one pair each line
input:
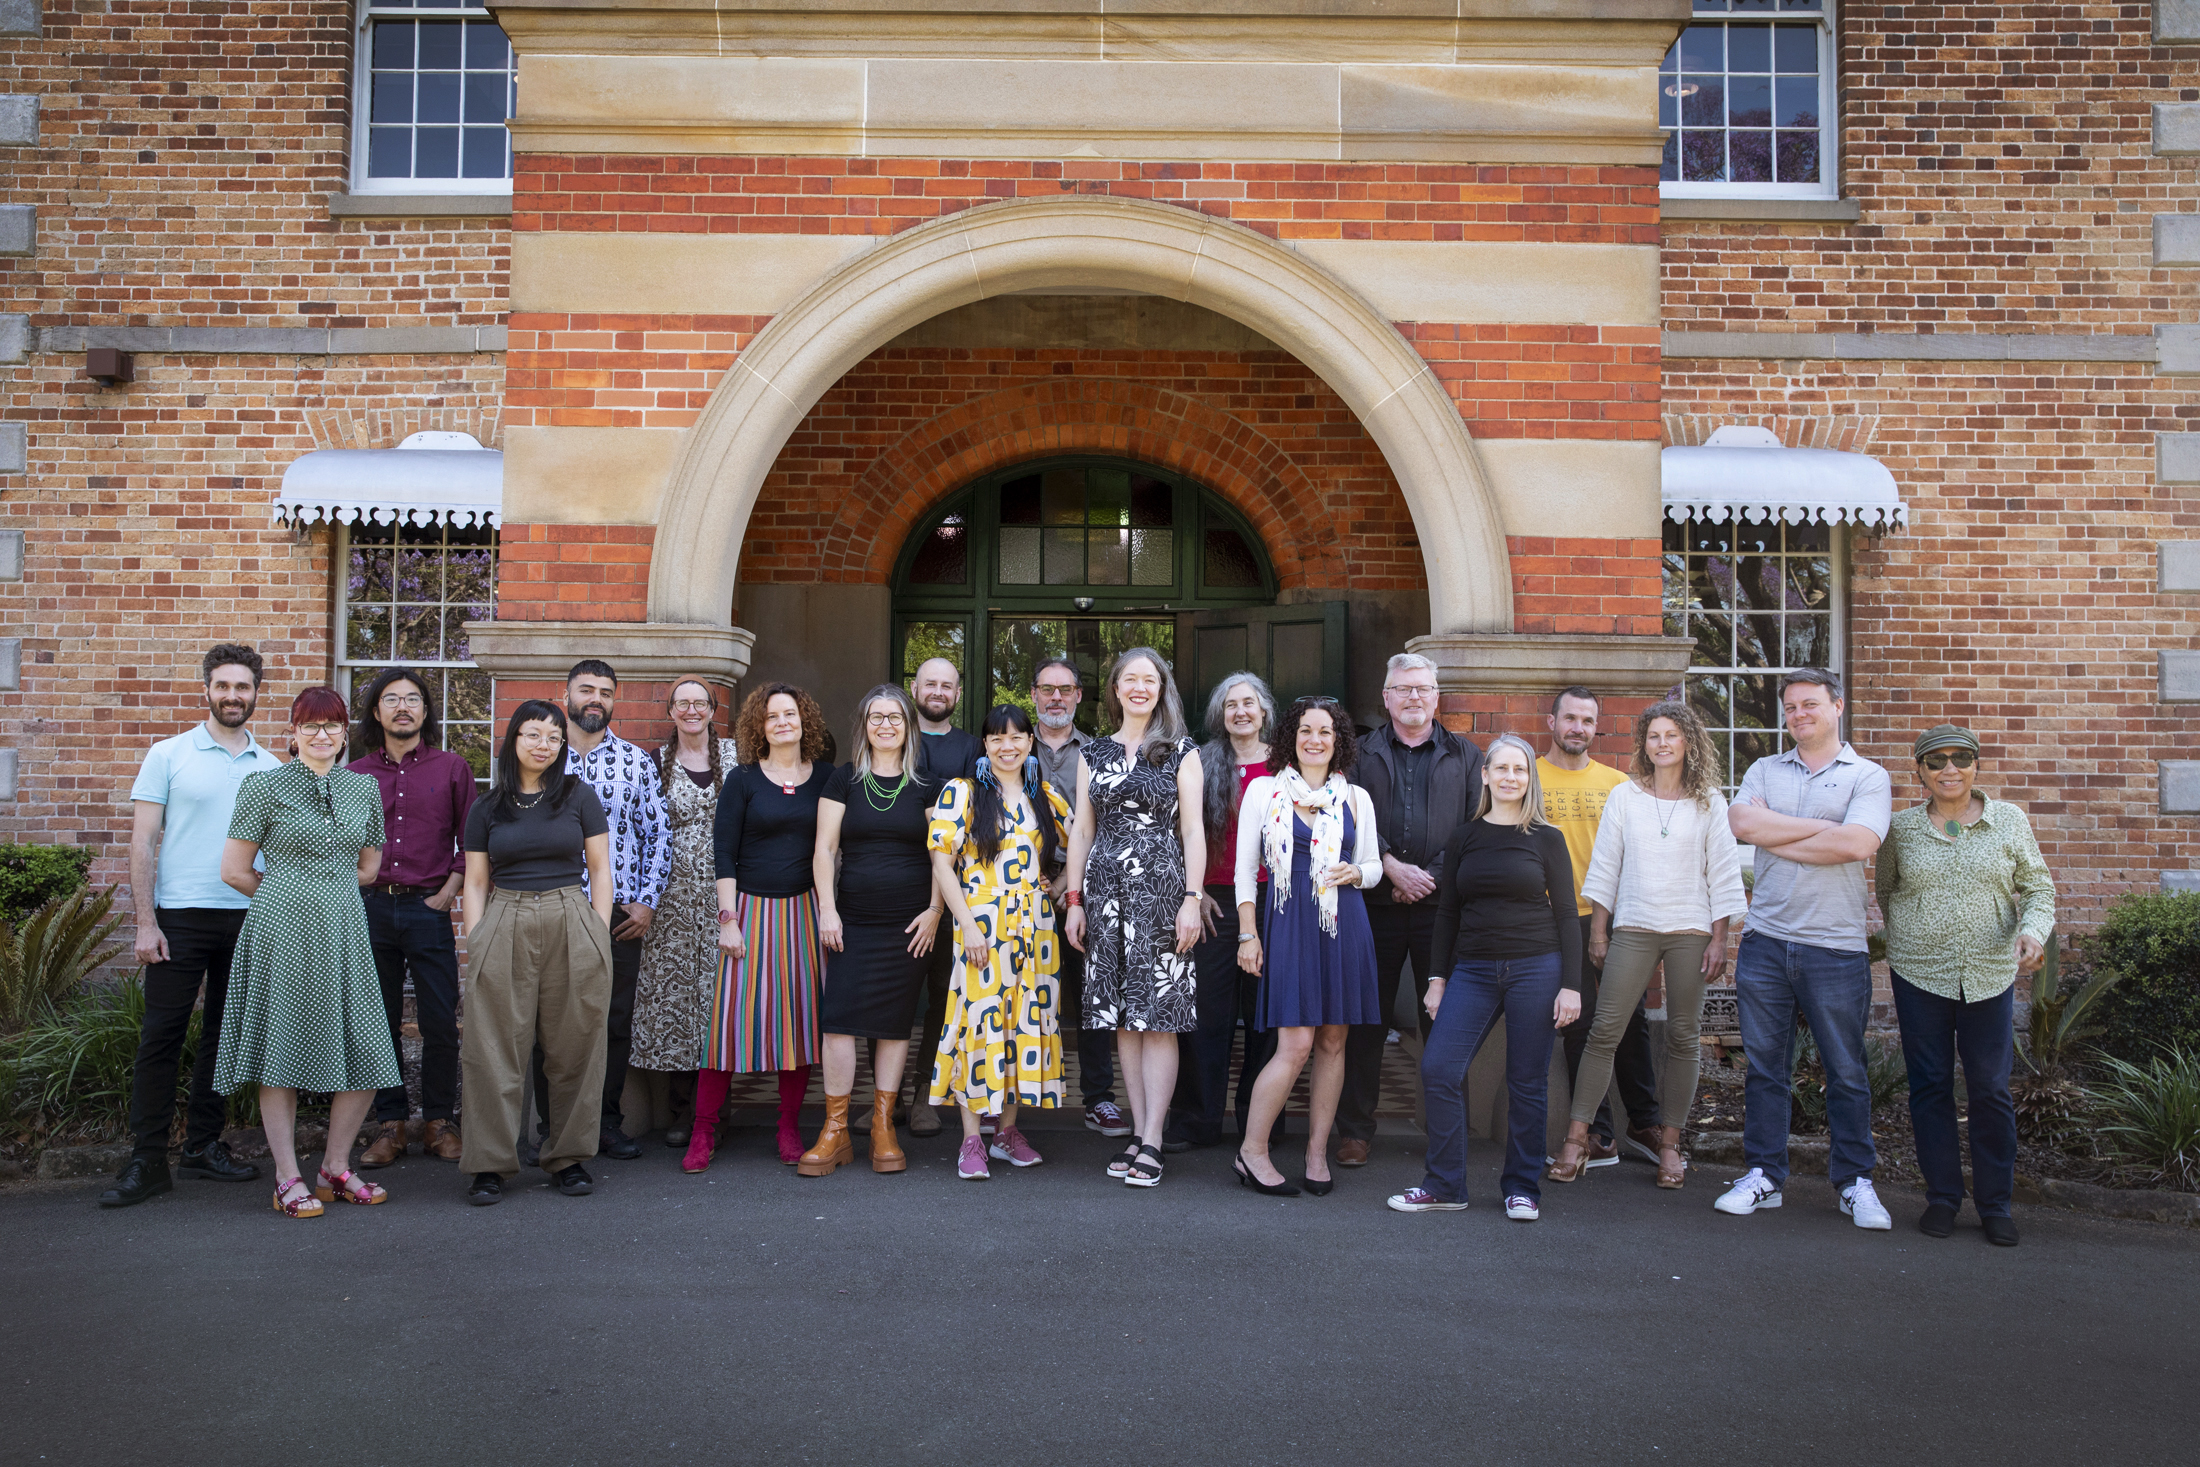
[404,596]
[1761,599]
[1748,102]
[433,83]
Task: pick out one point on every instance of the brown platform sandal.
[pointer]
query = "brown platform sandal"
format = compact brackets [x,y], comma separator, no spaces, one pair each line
[347,1186]
[305,1204]
[1674,1178]
[1563,1170]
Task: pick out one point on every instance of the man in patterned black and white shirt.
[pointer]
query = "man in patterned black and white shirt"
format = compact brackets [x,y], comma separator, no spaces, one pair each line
[626,779]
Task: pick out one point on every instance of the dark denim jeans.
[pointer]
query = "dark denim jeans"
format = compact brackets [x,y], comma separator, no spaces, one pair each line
[201,942]
[1774,983]
[1935,1031]
[1522,990]
[408,934]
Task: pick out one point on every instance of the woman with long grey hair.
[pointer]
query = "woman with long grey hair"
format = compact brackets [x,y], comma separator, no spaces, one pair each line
[1240,723]
[1140,837]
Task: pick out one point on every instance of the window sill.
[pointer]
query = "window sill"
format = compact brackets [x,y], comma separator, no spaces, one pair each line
[419,206]
[1774,211]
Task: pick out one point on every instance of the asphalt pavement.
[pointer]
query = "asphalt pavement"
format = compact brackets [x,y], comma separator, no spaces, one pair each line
[1053,1316]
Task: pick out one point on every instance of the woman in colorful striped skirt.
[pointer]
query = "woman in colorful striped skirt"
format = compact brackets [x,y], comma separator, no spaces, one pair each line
[765,1017]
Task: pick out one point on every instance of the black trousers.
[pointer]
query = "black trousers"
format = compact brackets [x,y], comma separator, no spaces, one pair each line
[1227,996]
[201,943]
[409,935]
[1632,1063]
[1404,932]
[618,1035]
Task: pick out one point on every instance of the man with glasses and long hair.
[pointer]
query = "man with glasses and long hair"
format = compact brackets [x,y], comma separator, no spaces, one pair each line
[1421,778]
[427,793]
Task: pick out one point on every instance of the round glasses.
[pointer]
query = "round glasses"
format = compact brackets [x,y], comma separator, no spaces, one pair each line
[886,720]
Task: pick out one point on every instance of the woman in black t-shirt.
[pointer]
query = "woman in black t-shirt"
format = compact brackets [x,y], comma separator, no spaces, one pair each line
[1505,922]
[765,1016]
[877,926]
[538,957]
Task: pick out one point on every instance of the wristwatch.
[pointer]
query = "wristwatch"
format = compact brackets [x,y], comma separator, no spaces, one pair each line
[724,916]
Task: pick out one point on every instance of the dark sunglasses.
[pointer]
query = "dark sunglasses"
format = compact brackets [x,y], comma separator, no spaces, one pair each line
[1961,758]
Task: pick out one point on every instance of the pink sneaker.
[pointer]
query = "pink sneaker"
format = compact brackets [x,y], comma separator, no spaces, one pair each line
[1011,1147]
[970,1161]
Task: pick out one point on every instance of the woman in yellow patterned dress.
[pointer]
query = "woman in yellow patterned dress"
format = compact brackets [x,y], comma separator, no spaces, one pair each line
[992,837]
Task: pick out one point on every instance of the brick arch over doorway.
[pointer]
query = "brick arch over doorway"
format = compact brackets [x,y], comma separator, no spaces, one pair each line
[1126,419]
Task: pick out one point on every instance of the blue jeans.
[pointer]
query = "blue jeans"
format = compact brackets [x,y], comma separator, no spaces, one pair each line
[1523,991]
[1934,1031]
[1774,982]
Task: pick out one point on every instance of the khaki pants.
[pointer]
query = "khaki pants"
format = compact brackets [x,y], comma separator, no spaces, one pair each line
[538,970]
[1632,958]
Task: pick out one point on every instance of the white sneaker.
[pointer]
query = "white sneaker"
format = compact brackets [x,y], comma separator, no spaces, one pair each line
[1860,1201]
[1754,1192]
[1522,1209]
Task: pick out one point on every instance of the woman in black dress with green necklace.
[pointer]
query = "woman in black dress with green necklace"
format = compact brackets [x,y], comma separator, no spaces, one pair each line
[877,926]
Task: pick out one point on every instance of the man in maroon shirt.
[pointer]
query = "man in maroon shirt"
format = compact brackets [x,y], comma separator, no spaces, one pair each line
[426,794]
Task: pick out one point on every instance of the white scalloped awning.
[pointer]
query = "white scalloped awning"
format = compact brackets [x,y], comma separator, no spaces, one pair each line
[1745,472]
[429,478]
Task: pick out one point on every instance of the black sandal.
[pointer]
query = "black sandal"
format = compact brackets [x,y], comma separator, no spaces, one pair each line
[1120,1165]
[1146,1170]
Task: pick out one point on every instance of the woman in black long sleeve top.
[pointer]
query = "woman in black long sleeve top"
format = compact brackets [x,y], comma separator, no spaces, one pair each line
[1506,919]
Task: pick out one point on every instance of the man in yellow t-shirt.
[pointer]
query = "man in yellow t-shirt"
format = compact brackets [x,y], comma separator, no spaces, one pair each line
[1574,790]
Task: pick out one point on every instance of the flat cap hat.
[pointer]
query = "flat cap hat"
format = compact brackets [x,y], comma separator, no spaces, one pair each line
[1946,736]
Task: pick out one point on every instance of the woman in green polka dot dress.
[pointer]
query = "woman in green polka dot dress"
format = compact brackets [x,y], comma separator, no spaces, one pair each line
[305,1006]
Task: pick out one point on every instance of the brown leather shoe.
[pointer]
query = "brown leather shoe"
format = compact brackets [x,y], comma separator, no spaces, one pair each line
[833,1148]
[886,1155]
[387,1146]
[441,1141]
[1352,1153]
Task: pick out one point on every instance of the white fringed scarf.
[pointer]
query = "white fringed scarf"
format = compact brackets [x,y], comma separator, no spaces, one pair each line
[1323,811]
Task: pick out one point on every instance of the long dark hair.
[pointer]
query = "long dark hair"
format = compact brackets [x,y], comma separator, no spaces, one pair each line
[367,733]
[556,782]
[988,823]
[1283,752]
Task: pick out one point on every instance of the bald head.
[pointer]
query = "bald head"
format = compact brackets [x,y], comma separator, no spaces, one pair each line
[938,689]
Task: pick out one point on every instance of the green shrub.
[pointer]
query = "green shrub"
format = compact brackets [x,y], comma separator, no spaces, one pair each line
[2152,1115]
[2152,945]
[74,1062]
[31,876]
[44,959]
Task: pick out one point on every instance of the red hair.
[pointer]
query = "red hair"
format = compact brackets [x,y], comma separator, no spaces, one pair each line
[319,705]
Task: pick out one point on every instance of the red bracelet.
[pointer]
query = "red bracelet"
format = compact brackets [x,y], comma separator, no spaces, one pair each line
[1073,898]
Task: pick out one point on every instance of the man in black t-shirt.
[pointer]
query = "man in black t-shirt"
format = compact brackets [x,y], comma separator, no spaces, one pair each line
[944,752]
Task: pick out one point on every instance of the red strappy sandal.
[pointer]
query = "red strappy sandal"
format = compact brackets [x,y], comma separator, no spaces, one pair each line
[349,1187]
[304,1205]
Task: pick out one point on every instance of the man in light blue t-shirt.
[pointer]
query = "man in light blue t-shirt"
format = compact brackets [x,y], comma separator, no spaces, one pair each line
[187,922]
[1816,813]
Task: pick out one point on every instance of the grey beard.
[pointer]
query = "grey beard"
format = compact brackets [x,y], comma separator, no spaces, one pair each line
[1056,720]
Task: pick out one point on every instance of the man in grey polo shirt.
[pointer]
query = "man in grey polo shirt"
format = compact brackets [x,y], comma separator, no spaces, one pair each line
[1816,814]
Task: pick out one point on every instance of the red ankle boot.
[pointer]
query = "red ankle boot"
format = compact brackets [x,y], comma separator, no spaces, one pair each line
[793,1085]
[710,1098]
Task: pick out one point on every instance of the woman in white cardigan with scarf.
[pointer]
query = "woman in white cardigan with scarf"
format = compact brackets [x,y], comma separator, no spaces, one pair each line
[1318,973]
[1665,881]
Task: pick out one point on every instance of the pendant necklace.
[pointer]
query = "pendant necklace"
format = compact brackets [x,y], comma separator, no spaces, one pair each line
[1665,821]
[528,804]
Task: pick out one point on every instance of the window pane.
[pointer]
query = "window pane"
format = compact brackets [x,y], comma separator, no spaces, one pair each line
[1810,641]
[485,96]
[1228,561]
[470,575]
[1020,502]
[1703,100]
[925,640]
[943,559]
[1062,497]
[466,697]
[1107,497]
[441,44]
[1669,165]
[419,634]
[1752,156]
[1798,101]
[1794,47]
[1714,636]
[1798,157]
[393,97]
[435,152]
[486,48]
[1703,157]
[485,152]
[367,633]
[393,44]
[1111,557]
[1020,555]
[1153,502]
[389,152]
[1703,48]
[437,96]
[471,742]
[1065,556]
[1749,101]
[1153,558]
[370,576]
[1749,48]
[419,574]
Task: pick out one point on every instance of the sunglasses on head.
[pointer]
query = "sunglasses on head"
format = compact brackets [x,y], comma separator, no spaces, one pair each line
[1961,758]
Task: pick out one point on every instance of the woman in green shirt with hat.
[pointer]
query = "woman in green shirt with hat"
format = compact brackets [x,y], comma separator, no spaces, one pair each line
[1969,905]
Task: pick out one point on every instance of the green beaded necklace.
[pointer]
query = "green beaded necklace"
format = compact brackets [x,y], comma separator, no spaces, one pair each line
[872,789]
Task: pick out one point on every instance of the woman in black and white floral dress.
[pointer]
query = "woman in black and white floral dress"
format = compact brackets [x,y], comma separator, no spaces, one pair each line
[1134,906]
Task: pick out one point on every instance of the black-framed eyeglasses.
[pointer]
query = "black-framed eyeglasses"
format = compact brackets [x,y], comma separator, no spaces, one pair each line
[1941,759]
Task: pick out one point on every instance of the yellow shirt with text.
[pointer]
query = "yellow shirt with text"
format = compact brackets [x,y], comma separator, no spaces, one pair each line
[1573,800]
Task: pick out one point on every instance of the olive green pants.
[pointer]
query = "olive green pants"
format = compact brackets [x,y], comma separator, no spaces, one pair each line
[1633,957]
[538,969]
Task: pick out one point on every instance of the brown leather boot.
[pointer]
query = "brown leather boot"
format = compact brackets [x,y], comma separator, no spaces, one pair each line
[833,1148]
[387,1146]
[886,1156]
[441,1141]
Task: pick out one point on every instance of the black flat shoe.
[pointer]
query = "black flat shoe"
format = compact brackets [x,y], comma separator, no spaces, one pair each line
[213,1163]
[1938,1221]
[2000,1231]
[676,1137]
[1322,1188]
[617,1145]
[574,1181]
[1247,1179]
[487,1189]
[144,1177]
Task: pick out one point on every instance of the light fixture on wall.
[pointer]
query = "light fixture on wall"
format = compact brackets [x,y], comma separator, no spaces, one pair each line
[108,366]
